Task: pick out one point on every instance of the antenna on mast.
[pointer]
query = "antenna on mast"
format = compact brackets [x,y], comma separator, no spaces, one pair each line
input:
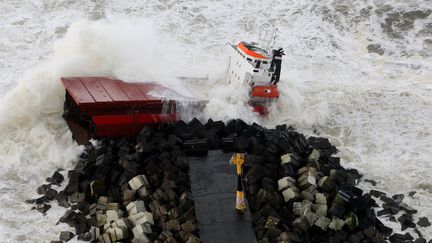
[267,38]
[274,35]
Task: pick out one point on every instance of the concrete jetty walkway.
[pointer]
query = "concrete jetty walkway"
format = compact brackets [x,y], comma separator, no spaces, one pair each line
[213,184]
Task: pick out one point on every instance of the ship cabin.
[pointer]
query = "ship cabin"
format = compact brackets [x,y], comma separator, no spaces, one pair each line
[249,65]
[257,70]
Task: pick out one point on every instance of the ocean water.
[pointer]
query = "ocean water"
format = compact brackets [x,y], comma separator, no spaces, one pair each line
[358,72]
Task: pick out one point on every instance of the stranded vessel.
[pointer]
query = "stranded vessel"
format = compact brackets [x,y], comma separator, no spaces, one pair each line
[104,107]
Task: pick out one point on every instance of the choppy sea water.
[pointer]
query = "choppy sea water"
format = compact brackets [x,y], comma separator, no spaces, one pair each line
[358,72]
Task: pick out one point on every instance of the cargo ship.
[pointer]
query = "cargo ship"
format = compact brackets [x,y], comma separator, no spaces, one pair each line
[103,107]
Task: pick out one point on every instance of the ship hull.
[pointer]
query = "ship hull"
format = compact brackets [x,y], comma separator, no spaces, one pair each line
[102,107]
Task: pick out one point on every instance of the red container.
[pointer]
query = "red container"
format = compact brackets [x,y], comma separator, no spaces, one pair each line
[105,107]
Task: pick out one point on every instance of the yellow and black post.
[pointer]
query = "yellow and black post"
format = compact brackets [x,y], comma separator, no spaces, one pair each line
[238,159]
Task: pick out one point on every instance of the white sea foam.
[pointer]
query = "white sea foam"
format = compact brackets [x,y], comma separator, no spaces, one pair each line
[375,109]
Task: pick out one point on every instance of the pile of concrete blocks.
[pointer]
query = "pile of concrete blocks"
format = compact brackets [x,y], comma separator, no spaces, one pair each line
[298,191]
[138,190]
[128,190]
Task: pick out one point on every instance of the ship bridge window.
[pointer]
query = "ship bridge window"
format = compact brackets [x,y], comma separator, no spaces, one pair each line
[250,60]
[255,71]
[265,62]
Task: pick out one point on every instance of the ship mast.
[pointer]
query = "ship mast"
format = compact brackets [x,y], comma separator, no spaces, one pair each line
[267,39]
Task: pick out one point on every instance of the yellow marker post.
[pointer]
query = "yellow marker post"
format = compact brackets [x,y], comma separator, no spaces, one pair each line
[238,159]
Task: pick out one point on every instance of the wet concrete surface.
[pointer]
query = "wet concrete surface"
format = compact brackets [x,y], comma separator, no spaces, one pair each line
[213,184]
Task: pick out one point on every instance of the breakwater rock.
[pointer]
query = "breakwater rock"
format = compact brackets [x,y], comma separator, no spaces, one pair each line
[297,191]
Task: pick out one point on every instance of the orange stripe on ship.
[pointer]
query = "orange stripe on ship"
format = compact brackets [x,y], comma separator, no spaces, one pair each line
[249,52]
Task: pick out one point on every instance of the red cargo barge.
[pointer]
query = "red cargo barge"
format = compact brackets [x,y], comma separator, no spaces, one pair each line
[103,107]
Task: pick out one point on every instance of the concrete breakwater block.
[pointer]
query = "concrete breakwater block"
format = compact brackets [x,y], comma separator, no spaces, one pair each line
[138,181]
[66,235]
[196,146]
[297,190]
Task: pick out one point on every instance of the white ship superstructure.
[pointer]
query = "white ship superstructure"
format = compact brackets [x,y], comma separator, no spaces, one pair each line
[256,69]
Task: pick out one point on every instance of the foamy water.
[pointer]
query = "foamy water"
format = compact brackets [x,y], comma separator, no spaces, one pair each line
[375,108]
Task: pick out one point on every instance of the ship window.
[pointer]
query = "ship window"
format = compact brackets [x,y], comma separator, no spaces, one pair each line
[264,62]
[258,64]
[250,60]
[255,71]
